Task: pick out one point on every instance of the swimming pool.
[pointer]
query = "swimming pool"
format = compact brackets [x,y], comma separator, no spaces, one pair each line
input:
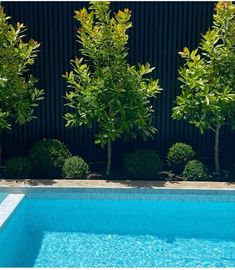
[120,228]
[2,196]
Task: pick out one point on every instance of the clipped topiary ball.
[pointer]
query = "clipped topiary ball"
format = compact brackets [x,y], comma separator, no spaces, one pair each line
[18,167]
[48,157]
[178,155]
[195,170]
[142,164]
[75,168]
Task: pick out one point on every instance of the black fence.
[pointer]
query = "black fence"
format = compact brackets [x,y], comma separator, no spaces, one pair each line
[160,30]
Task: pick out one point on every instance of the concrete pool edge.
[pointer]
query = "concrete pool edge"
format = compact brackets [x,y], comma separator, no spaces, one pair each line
[125,184]
[8,206]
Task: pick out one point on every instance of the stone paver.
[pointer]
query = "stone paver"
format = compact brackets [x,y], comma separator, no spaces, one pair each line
[117,184]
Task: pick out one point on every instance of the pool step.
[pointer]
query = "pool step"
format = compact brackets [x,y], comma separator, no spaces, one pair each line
[8,205]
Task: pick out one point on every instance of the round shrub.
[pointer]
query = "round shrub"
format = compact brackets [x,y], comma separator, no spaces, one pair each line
[195,170]
[178,155]
[18,167]
[48,157]
[142,164]
[75,168]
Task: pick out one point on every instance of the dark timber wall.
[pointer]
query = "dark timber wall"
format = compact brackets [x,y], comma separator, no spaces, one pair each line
[160,30]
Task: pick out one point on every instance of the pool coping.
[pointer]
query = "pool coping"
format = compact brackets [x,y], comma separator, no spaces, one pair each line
[8,207]
[126,184]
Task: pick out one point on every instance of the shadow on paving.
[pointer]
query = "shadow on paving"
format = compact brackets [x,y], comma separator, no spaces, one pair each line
[142,184]
[33,182]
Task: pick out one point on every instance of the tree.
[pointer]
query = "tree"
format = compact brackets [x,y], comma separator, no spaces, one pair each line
[18,93]
[207,99]
[103,87]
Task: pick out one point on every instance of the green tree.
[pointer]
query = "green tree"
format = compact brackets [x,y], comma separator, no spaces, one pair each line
[103,87]
[18,93]
[207,78]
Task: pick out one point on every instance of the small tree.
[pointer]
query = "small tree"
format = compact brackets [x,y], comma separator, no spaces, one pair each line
[103,86]
[18,93]
[208,78]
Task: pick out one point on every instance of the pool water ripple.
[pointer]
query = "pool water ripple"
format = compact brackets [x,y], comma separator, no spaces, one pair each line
[77,249]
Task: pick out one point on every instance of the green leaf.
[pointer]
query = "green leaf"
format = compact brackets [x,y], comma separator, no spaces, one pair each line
[18,91]
[193,54]
[102,86]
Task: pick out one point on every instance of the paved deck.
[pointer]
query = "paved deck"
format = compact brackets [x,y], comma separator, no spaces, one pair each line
[117,184]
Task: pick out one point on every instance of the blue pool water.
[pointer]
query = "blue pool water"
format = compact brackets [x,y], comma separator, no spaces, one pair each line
[2,196]
[54,232]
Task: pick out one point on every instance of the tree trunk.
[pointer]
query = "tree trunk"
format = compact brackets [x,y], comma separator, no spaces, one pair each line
[109,159]
[216,153]
[0,154]
[0,144]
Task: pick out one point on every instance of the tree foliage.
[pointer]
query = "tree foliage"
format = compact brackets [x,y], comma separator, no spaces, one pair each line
[207,78]
[18,93]
[103,87]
